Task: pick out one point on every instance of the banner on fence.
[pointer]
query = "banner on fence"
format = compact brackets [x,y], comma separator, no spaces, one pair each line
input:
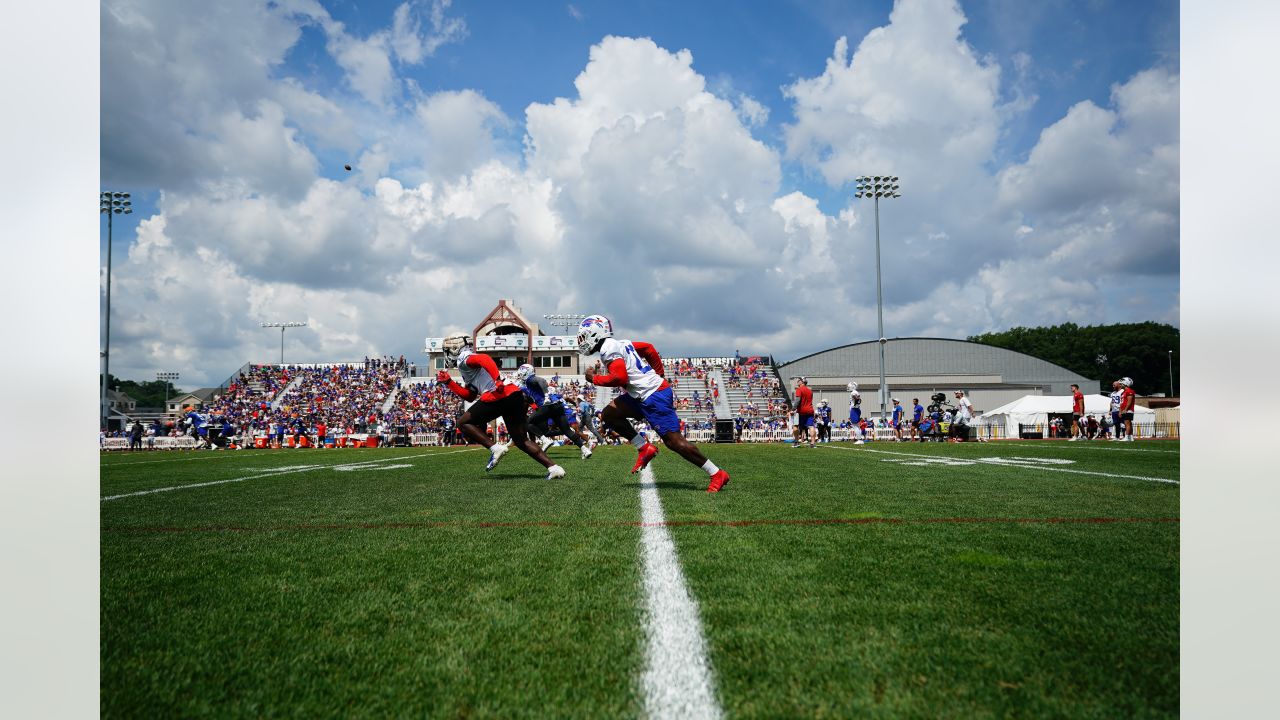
[555,342]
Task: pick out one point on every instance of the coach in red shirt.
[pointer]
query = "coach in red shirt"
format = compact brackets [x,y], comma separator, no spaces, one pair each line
[1077,410]
[804,413]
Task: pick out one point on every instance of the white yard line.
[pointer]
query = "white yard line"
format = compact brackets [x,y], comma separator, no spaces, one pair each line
[220,456]
[212,455]
[1047,468]
[677,681]
[281,471]
[1103,445]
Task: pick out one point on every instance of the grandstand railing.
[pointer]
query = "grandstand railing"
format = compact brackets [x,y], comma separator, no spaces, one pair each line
[235,376]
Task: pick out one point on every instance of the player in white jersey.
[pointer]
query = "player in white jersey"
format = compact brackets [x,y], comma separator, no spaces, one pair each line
[855,411]
[494,397]
[636,367]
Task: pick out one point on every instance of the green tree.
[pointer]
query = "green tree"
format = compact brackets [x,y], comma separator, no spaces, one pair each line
[1103,352]
[150,393]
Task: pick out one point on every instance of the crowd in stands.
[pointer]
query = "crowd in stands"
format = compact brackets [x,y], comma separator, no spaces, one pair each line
[295,400]
[344,399]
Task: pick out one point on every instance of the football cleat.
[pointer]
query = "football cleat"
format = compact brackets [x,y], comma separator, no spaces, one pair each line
[860,442]
[495,454]
[647,454]
[555,471]
[545,442]
[586,451]
[719,480]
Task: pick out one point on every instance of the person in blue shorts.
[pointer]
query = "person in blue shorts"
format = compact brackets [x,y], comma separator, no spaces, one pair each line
[636,367]
[896,423]
[917,416]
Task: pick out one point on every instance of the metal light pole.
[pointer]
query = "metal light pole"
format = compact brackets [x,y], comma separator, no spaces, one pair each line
[167,378]
[879,186]
[110,203]
[282,326]
[1171,374]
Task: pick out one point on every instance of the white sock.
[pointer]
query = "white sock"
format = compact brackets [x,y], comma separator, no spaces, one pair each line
[710,468]
[639,441]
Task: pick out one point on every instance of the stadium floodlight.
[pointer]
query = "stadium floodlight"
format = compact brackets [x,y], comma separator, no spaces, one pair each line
[564,320]
[110,203]
[876,187]
[167,378]
[282,326]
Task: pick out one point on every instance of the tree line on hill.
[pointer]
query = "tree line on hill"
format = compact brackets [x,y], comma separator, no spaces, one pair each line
[1103,352]
[149,394]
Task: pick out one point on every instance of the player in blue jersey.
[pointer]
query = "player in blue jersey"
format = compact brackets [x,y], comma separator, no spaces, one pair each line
[822,414]
[917,416]
[587,419]
[550,411]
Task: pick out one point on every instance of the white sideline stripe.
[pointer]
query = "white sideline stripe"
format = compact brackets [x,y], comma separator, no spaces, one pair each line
[677,681]
[277,471]
[1109,447]
[1027,467]
[131,463]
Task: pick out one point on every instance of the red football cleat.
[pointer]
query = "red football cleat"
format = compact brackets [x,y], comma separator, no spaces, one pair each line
[719,480]
[647,453]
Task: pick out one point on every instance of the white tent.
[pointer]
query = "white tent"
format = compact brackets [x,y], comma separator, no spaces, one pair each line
[1034,410]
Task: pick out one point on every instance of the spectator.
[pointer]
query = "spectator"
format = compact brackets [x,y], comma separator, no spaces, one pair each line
[135,436]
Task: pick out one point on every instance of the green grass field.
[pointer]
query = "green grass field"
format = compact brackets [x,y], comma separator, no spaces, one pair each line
[1029,579]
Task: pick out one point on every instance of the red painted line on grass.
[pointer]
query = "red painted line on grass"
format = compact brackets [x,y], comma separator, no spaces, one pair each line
[670,523]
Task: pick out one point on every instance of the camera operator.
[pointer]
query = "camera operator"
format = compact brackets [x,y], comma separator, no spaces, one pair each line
[931,428]
[959,430]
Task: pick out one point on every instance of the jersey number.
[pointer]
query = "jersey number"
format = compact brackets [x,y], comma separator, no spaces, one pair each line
[639,361]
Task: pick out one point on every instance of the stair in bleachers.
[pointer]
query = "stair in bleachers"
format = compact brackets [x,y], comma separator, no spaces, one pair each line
[760,394]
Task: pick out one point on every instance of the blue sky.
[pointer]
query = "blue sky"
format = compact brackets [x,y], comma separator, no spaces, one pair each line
[685,167]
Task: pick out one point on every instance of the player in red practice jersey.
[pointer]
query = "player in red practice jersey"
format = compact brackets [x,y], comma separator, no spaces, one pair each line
[494,397]
[636,367]
[1128,398]
[1077,411]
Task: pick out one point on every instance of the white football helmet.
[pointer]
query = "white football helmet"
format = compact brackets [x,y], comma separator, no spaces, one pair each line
[823,403]
[524,372]
[1126,381]
[852,387]
[452,346]
[592,332]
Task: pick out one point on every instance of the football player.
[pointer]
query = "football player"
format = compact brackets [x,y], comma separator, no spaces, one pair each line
[1128,398]
[855,410]
[636,367]
[494,396]
[550,411]
[823,416]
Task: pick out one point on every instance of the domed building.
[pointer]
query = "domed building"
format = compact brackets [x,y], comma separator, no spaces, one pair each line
[919,367]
